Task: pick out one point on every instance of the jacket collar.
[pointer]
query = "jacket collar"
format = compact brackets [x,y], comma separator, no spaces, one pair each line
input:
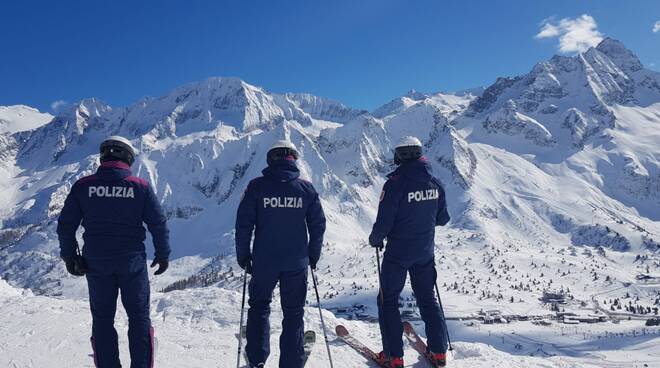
[419,169]
[113,170]
[115,165]
[282,170]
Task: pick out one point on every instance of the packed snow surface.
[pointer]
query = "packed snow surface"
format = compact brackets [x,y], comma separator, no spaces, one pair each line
[197,328]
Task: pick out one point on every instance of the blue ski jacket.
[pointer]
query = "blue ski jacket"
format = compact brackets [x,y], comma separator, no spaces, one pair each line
[411,205]
[286,217]
[112,205]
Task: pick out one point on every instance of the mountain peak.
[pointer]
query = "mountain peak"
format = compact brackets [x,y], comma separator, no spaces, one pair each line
[86,108]
[323,108]
[19,118]
[416,95]
[219,85]
[619,54]
[232,82]
[610,43]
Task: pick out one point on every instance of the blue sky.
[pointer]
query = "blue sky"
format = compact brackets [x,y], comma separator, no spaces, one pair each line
[360,52]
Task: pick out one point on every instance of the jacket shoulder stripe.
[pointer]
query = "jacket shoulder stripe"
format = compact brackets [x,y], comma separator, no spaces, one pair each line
[135,179]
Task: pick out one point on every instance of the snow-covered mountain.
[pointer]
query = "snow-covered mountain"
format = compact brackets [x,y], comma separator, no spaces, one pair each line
[450,104]
[553,180]
[552,177]
[20,118]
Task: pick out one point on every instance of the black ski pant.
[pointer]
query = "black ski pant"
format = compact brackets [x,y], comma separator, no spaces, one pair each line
[105,279]
[293,292]
[422,278]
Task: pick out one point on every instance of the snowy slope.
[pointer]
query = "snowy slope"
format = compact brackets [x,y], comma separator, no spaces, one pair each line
[448,104]
[20,118]
[196,328]
[552,179]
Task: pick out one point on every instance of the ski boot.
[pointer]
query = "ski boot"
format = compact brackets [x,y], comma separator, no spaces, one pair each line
[438,359]
[391,362]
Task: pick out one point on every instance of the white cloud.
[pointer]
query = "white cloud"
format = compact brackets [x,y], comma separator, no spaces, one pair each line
[575,34]
[57,105]
[656,27]
[548,30]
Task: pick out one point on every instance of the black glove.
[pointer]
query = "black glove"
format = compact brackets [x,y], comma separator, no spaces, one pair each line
[163,264]
[375,242]
[313,262]
[246,264]
[75,265]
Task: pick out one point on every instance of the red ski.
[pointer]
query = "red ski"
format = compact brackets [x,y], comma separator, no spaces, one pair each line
[351,341]
[418,344]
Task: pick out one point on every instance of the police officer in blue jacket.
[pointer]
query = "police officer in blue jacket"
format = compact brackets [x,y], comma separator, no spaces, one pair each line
[286,217]
[412,204]
[112,206]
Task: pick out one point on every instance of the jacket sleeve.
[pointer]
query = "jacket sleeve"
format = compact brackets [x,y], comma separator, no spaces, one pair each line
[442,218]
[246,220]
[157,225]
[387,209]
[67,224]
[315,226]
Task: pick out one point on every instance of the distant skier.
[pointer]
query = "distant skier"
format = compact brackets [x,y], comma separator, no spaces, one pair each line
[281,210]
[112,206]
[412,204]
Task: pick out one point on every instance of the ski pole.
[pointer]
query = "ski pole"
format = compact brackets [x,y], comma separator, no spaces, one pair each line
[318,303]
[382,301]
[240,327]
[437,292]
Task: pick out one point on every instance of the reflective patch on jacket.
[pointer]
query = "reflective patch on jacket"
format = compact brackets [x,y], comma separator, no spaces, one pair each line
[423,195]
[110,192]
[283,202]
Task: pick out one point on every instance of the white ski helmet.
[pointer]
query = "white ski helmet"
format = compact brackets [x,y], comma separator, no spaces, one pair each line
[281,150]
[117,148]
[408,141]
[408,148]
